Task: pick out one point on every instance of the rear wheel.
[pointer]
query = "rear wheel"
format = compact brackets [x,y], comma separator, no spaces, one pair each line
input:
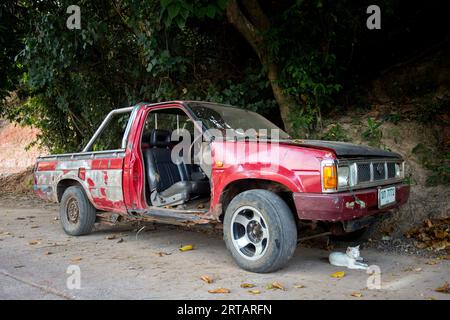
[76,214]
[260,231]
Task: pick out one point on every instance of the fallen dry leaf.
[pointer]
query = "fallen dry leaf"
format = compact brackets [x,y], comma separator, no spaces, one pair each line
[247,285]
[111,237]
[420,245]
[34,227]
[160,253]
[299,286]
[440,245]
[33,242]
[409,269]
[187,248]
[434,234]
[76,259]
[207,279]
[219,290]
[254,291]
[444,289]
[432,262]
[338,274]
[275,285]
[356,294]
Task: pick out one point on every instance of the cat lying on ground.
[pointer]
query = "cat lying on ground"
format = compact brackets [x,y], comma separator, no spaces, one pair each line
[350,259]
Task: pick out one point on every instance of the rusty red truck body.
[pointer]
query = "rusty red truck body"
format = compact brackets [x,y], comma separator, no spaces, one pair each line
[260,187]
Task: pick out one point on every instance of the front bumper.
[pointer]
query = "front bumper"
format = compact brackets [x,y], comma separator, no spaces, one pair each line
[343,206]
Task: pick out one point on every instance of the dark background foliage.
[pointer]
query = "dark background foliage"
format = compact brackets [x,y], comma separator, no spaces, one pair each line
[65,81]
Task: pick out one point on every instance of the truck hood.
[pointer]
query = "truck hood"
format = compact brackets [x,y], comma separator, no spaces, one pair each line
[346,150]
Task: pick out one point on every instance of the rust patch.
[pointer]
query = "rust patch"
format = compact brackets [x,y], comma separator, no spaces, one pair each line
[216,211]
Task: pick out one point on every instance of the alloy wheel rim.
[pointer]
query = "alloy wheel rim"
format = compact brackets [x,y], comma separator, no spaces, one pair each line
[249,232]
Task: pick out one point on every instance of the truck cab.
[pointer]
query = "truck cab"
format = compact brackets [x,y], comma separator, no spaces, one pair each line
[194,162]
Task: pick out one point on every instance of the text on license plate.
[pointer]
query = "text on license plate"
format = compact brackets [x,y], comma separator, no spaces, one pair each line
[386,196]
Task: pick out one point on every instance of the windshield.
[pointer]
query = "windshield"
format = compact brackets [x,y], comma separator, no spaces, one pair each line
[232,121]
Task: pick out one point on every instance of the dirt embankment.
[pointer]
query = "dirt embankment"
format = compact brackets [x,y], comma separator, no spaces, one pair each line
[407,111]
[16,158]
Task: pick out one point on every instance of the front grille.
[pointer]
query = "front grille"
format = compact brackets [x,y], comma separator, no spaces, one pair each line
[379,172]
[363,172]
[391,170]
[371,172]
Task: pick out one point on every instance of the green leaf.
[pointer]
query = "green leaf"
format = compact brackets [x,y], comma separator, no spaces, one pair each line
[211,11]
[165,3]
[173,10]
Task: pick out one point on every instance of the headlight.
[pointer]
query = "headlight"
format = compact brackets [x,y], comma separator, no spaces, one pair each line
[399,172]
[343,174]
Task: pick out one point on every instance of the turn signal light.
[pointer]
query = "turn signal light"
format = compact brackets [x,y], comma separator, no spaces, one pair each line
[219,164]
[329,176]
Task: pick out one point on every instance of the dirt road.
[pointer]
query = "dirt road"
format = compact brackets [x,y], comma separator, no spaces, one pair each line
[115,263]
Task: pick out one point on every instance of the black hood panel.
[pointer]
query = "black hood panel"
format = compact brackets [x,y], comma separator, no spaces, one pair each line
[344,149]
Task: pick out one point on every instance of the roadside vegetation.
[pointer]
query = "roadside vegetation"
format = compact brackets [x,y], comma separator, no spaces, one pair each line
[304,64]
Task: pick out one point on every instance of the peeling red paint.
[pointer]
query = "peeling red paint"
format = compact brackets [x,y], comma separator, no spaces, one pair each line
[46,166]
[90,182]
[105,177]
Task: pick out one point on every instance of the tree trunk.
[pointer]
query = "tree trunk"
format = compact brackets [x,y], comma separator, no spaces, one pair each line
[252,28]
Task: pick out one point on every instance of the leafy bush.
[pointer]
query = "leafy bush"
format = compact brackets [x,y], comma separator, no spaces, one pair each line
[336,133]
[435,161]
[373,134]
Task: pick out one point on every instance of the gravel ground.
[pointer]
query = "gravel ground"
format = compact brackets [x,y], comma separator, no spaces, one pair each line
[118,263]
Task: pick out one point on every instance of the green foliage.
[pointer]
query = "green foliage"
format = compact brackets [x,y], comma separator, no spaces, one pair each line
[336,133]
[440,175]
[124,53]
[373,133]
[13,16]
[131,51]
[437,162]
[249,93]
[178,11]
[430,107]
[311,71]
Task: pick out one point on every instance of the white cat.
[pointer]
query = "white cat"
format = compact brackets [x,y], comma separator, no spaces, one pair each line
[350,259]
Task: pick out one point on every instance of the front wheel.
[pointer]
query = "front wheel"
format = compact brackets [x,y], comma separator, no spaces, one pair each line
[260,231]
[76,214]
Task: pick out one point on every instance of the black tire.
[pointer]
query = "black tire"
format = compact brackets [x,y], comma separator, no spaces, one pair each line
[76,213]
[281,228]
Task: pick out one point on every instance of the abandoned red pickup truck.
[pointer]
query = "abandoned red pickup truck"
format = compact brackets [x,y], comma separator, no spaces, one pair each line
[190,162]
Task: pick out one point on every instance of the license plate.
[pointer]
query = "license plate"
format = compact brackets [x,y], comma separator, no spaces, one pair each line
[386,196]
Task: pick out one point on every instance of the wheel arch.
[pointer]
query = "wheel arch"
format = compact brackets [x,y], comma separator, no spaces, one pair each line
[63,184]
[238,186]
